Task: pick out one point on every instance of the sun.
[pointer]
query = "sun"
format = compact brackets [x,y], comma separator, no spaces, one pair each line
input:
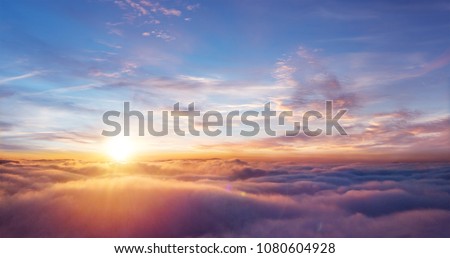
[120,149]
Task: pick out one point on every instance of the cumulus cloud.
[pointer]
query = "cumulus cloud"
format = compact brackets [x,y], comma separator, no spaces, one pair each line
[222,198]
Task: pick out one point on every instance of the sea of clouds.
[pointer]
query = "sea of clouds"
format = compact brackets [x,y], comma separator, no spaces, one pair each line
[223,198]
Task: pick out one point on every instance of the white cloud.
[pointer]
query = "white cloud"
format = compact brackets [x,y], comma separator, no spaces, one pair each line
[192,7]
[19,77]
[284,73]
[106,75]
[115,31]
[168,12]
[141,10]
[159,34]
[162,35]
[116,46]
[199,79]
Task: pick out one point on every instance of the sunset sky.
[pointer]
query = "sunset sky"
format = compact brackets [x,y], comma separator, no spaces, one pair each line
[65,63]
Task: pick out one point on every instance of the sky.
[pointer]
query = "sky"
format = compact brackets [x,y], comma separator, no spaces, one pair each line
[65,63]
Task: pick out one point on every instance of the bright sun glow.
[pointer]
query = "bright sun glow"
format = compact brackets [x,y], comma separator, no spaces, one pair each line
[120,148]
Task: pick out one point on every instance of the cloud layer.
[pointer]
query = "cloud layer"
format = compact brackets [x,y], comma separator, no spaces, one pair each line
[223,198]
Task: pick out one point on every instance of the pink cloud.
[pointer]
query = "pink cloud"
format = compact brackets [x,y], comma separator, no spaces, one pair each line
[222,198]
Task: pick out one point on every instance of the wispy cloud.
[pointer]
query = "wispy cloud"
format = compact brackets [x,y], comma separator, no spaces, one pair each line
[136,6]
[283,73]
[193,7]
[144,14]
[141,7]
[167,11]
[5,80]
[346,14]
[312,81]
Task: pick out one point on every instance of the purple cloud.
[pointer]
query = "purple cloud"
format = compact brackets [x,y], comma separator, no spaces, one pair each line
[223,198]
